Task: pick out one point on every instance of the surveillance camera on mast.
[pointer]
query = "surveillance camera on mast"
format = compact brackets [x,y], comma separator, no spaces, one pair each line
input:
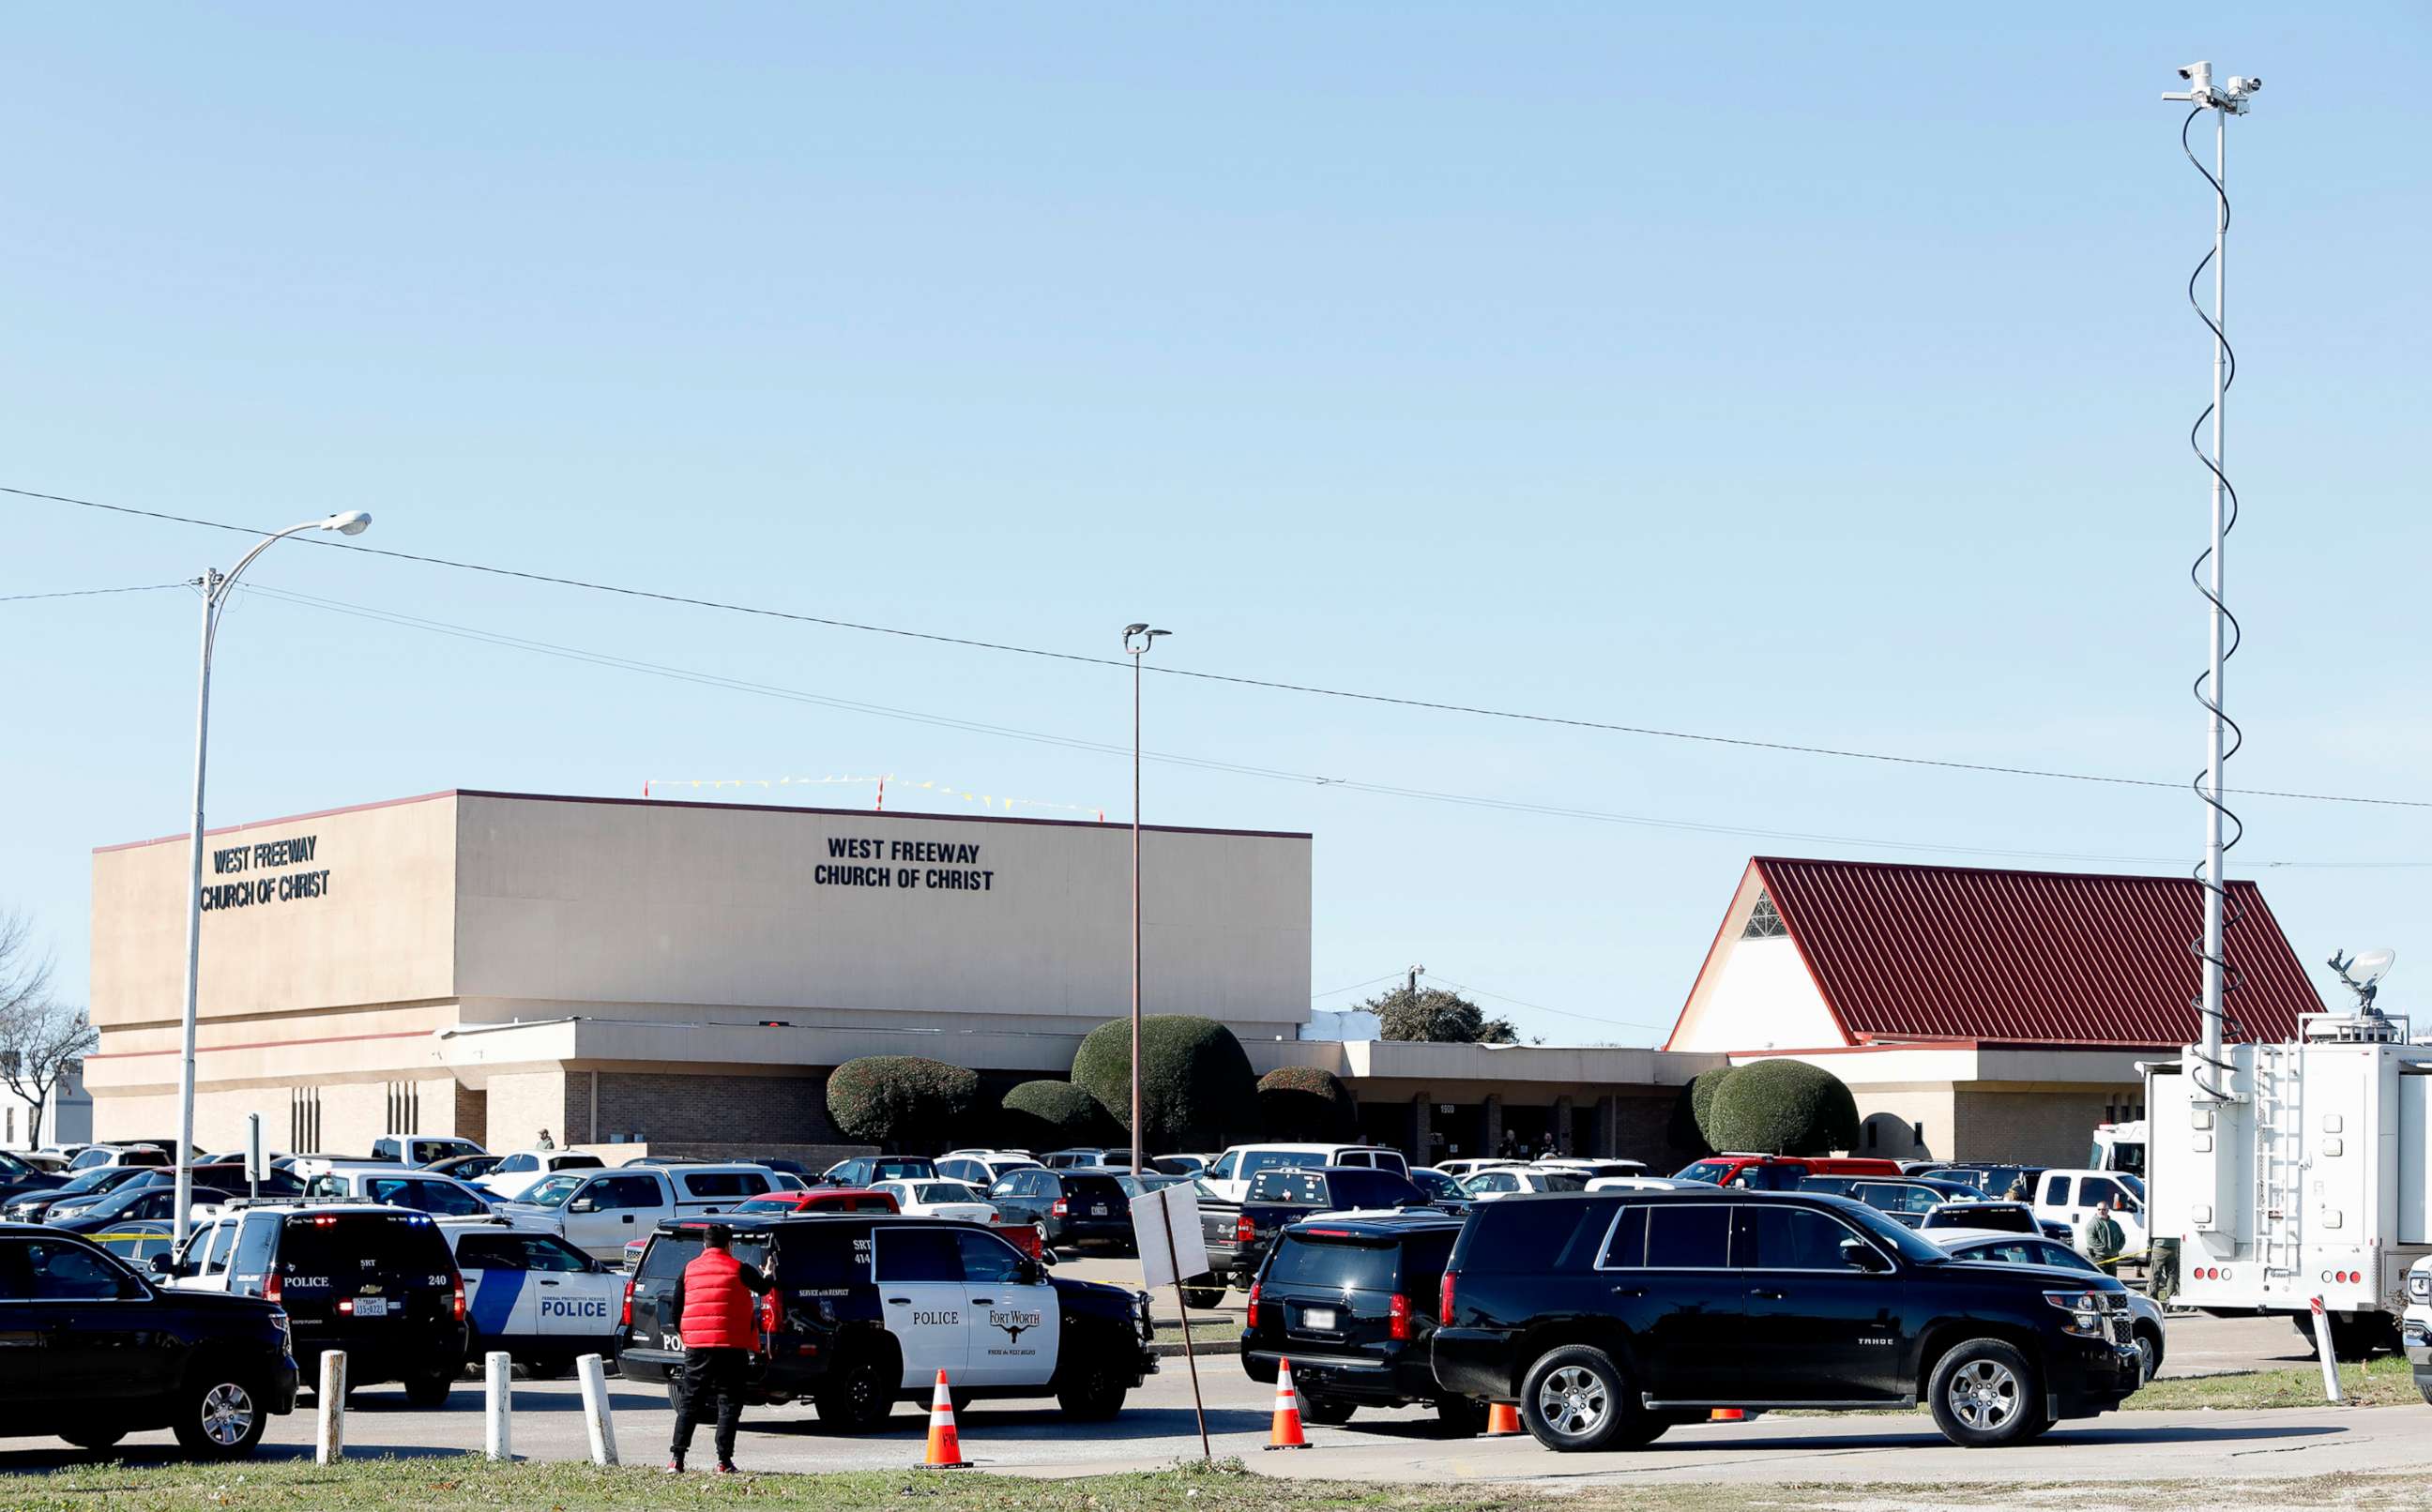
[2231,99]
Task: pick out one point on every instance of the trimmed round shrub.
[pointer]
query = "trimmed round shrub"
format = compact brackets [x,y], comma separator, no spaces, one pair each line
[1043,1115]
[899,1101]
[1783,1108]
[1198,1091]
[1692,1112]
[1306,1102]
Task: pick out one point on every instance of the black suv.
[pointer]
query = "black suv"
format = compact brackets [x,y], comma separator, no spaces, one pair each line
[1611,1316]
[102,1352]
[1080,1207]
[378,1282]
[866,1309]
[1351,1302]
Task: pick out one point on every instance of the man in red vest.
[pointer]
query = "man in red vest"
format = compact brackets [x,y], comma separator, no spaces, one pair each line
[713,1310]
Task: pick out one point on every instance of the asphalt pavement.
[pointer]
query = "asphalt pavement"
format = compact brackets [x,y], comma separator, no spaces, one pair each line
[1158,1427]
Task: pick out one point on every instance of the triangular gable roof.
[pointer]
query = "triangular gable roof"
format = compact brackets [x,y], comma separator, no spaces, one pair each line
[1908,952]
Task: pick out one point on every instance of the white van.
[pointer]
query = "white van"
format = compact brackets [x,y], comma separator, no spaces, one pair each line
[598,1211]
[1229,1177]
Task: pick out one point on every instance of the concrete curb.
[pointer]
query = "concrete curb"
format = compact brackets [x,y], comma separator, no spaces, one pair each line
[1173,1348]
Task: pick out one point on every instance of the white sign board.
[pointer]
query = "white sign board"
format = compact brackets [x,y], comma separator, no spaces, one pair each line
[1166,1224]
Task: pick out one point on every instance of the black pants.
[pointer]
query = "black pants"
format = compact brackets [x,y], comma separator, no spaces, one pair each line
[711,1378]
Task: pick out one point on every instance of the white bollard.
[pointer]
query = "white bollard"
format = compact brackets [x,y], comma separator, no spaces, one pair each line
[595,1417]
[499,1399]
[329,1439]
[2331,1392]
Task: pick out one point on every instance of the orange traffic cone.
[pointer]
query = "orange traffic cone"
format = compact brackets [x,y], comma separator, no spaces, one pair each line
[1286,1432]
[1728,1415]
[945,1446]
[1502,1420]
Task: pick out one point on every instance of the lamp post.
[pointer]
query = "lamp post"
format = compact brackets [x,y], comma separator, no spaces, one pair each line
[1136,640]
[216,585]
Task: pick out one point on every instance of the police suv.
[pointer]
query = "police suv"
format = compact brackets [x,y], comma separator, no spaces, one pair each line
[866,1309]
[539,1298]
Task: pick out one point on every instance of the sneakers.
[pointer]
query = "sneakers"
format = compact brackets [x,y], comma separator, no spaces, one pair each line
[724,1468]
[674,1467]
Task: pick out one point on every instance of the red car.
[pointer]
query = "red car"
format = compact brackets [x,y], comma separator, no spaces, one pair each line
[822,1199]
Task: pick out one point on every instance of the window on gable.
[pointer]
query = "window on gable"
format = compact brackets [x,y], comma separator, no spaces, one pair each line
[1765,921]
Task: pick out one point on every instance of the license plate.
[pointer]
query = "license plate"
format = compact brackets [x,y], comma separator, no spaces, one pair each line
[1317,1317]
[1098,1210]
[371,1307]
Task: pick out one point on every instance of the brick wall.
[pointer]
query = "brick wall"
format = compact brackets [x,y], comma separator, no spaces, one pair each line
[2036,1128]
[669,1109]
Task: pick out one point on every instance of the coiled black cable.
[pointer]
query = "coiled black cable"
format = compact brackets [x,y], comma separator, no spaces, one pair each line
[2207,694]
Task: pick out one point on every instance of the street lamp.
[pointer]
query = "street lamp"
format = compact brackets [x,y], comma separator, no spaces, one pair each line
[215,586]
[1136,640]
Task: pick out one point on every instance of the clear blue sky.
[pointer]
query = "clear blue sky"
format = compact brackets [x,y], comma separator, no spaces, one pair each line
[1801,377]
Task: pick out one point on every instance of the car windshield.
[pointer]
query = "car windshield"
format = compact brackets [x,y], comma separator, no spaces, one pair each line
[944,1192]
[2135,1184]
[1436,1183]
[101,1179]
[1710,1171]
[1559,1182]
[1892,1233]
[1145,1181]
[552,1191]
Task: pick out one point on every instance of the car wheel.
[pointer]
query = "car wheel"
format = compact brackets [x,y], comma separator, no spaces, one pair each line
[95,1440]
[1327,1410]
[1087,1385]
[860,1394]
[1460,1417]
[430,1389]
[1204,1298]
[1983,1394]
[2424,1386]
[2149,1352]
[1576,1398]
[220,1416]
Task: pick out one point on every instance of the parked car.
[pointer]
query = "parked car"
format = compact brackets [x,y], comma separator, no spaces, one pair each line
[1238,1235]
[468,1168]
[1907,1198]
[1993,1181]
[2415,1326]
[1184,1165]
[867,1309]
[1646,1183]
[1079,1208]
[96,1155]
[980,1169]
[2069,1195]
[132,1204]
[423,1149]
[2005,1247]
[1229,1177]
[1116,1159]
[869,1170]
[823,1199]
[424,1192]
[1463,1169]
[2010,1218]
[93,1181]
[1505,1180]
[1609,1318]
[535,1295]
[940,1199]
[136,1242]
[1780,1173]
[597,1211]
[376,1282]
[1351,1302]
[1589,1169]
[517,1174]
[1443,1189]
[213,1370]
[20,1177]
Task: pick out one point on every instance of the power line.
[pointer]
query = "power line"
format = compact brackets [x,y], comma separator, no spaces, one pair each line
[1438,706]
[1539,1007]
[1168,757]
[1336,992]
[91,592]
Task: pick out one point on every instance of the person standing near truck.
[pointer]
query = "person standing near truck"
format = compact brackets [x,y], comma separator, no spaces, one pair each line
[713,1311]
[2099,1237]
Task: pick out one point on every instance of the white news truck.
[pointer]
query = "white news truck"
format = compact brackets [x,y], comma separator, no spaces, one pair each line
[2311,1177]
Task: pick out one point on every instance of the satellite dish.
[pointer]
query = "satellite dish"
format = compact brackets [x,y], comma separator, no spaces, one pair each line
[2372,966]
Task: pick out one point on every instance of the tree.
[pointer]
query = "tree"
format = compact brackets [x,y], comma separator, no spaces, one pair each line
[1306,1102]
[1783,1108]
[43,1040]
[1693,1114]
[1443,1017]
[1047,1115]
[895,1100]
[1197,1090]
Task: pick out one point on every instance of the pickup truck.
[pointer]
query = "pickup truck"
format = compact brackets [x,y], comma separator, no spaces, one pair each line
[1238,1235]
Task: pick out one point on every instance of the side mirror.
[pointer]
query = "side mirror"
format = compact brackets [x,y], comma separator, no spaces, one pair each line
[163,1263]
[1865,1256]
[583,1205]
[1047,1258]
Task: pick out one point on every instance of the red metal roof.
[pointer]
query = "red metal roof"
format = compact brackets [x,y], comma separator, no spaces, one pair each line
[2040,957]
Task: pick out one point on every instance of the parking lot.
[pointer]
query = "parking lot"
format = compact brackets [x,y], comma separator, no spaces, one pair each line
[1157,1429]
